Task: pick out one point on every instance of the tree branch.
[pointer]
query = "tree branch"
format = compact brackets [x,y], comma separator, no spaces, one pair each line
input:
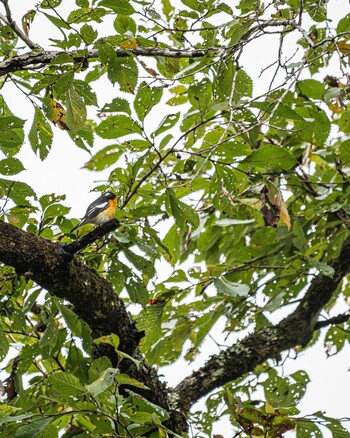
[91,237]
[339,319]
[267,343]
[50,266]
[9,20]
[93,297]
[44,57]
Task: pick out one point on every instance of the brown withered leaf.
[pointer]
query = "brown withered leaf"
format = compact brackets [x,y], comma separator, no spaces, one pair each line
[273,207]
[27,19]
[270,213]
[148,69]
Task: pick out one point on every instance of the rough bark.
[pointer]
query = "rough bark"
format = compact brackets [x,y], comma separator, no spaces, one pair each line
[269,342]
[40,58]
[93,297]
[54,267]
[44,57]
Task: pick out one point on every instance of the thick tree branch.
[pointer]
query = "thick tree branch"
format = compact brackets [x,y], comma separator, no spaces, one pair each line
[54,267]
[50,266]
[93,297]
[267,343]
[43,57]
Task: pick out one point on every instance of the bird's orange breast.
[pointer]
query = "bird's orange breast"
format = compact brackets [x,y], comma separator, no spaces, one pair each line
[112,205]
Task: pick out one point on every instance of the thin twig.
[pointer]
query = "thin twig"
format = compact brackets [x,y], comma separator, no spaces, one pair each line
[9,21]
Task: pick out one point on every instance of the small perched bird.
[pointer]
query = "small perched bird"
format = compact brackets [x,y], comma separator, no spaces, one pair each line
[100,211]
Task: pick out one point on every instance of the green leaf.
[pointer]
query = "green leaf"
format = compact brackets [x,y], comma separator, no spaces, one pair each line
[243,85]
[85,91]
[120,7]
[40,135]
[76,110]
[232,289]
[146,98]
[72,319]
[121,70]
[88,33]
[11,132]
[66,385]
[117,105]
[127,356]
[299,241]
[225,79]
[137,291]
[104,158]
[182,212]
[326,270]
[124,379]
[140,263]
[34,428]
[18,191]
[11,166]
[311,88]
[344,24]
[98,366]
[16,418]
[50,335]
[168,122]
[64,83]
[194,4]
[4,345]
[60,24]
[270,158]
[100,385]
[308,429]
[111,339]
[316,126]
[117,126]
[335,337]
[281,393]
[124,24]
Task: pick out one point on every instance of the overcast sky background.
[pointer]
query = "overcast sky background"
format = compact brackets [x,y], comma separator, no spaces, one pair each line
[62,173]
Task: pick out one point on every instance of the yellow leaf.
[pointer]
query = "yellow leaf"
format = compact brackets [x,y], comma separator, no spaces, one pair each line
[283,209]
[269,409]
[285,215]
[343,47]
[25,26]
[129,44]
[336,107]
[58,115]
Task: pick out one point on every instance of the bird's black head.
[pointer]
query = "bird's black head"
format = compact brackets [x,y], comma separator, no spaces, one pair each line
[109,195]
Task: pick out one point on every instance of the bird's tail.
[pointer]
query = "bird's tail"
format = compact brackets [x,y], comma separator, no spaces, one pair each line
[79,224]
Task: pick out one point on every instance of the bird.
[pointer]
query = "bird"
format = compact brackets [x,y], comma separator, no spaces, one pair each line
[100,211]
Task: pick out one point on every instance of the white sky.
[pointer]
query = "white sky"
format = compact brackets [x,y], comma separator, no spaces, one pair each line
[61,173]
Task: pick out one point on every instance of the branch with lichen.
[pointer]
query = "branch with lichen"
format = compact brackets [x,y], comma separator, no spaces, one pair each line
[268,342]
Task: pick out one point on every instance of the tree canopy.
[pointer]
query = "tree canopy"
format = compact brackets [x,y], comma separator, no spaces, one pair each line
[241,192]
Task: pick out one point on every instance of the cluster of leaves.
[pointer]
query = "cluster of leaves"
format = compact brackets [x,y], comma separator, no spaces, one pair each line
[202,188]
